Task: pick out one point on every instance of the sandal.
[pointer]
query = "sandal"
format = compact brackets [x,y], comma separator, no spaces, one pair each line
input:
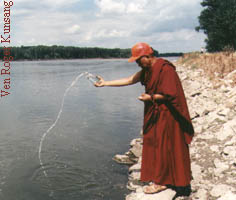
[153,188]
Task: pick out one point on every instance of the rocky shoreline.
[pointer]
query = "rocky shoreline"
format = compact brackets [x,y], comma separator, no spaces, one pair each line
[213,149]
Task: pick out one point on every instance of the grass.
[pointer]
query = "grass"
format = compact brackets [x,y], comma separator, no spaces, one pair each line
[215,65]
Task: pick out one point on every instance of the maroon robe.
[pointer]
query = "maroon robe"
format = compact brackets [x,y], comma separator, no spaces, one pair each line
[167,128]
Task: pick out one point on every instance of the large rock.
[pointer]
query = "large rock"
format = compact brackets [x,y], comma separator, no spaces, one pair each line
[228,130]
[133,185]
[135,167]
[136,141]
[230,151]
[123,159]
[228,196]
[202,194]
[135,175]
[220,167]
[220,190]
[137,150]
[196,171]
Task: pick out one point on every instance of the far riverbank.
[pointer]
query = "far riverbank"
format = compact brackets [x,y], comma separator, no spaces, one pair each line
[42,52]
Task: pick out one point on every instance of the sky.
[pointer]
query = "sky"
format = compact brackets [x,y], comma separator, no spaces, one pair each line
[167,25]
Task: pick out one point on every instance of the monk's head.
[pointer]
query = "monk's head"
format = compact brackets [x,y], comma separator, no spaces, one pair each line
[142,53]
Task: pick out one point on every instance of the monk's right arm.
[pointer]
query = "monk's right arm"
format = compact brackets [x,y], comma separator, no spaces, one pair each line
[120,82]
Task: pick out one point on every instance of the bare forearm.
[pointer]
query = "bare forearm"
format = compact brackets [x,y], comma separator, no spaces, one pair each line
[124,81]
[118,83]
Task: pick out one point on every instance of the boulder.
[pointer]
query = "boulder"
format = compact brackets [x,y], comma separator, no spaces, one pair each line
[220,166]
[228,130]
[123,159]
[135,167]
[228,196]
[220,190]
[137,150]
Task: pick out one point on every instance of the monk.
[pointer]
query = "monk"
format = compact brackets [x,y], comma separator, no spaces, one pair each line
[167,127]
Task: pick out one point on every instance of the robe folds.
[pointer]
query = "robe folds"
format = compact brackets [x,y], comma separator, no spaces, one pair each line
[167,128]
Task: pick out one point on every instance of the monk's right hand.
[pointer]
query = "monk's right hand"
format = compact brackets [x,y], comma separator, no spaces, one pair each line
[100,83]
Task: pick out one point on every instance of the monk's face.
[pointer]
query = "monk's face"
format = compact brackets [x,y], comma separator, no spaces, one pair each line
[144,61]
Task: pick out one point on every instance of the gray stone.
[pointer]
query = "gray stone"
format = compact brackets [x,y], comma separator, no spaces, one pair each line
[230,151]
[206,135]
[220,166]
[202,194]
[135,167]
[136,141]
[134,185]
[223,112]
[228,196]
[220,190]
[231,142]
[214,148]
[137,150]
[122,159]
[196,171]
[228,130]
[135,175]
[213,116]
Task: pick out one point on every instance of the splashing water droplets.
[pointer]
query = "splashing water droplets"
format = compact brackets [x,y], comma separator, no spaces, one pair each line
[92,78]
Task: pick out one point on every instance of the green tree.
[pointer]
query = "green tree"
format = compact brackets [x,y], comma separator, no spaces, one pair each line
[69,52]
[218,22]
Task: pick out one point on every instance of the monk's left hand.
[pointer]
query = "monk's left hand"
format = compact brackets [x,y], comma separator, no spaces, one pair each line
[145,97]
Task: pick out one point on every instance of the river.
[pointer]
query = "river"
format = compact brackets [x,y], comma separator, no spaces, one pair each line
[94,125]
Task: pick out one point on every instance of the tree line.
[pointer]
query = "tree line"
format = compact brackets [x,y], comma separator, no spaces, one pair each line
[218,22]
[42,52]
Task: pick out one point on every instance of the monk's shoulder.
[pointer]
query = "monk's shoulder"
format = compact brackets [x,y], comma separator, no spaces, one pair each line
[160,61]
[158,64]
[167,70]
[168,67]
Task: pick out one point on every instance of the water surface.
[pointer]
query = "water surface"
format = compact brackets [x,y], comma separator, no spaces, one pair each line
[95,124]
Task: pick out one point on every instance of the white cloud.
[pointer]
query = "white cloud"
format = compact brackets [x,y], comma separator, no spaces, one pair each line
[116,33]
[167,25]
[20,12]
[134,8]
[104,33]
[180,35]
[73,29]
[110,6]
[186,34]
[183,40]
[60,3]
[166,36]
[121,6]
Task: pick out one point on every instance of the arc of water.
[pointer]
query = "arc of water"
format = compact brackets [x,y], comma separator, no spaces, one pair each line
[54,124]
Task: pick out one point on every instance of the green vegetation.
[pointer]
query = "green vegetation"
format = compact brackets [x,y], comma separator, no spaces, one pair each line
[68,52]
[215,65]
[61,52]
[218,22]
[170,54]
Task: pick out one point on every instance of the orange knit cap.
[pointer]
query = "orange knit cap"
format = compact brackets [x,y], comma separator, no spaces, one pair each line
[140,49]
